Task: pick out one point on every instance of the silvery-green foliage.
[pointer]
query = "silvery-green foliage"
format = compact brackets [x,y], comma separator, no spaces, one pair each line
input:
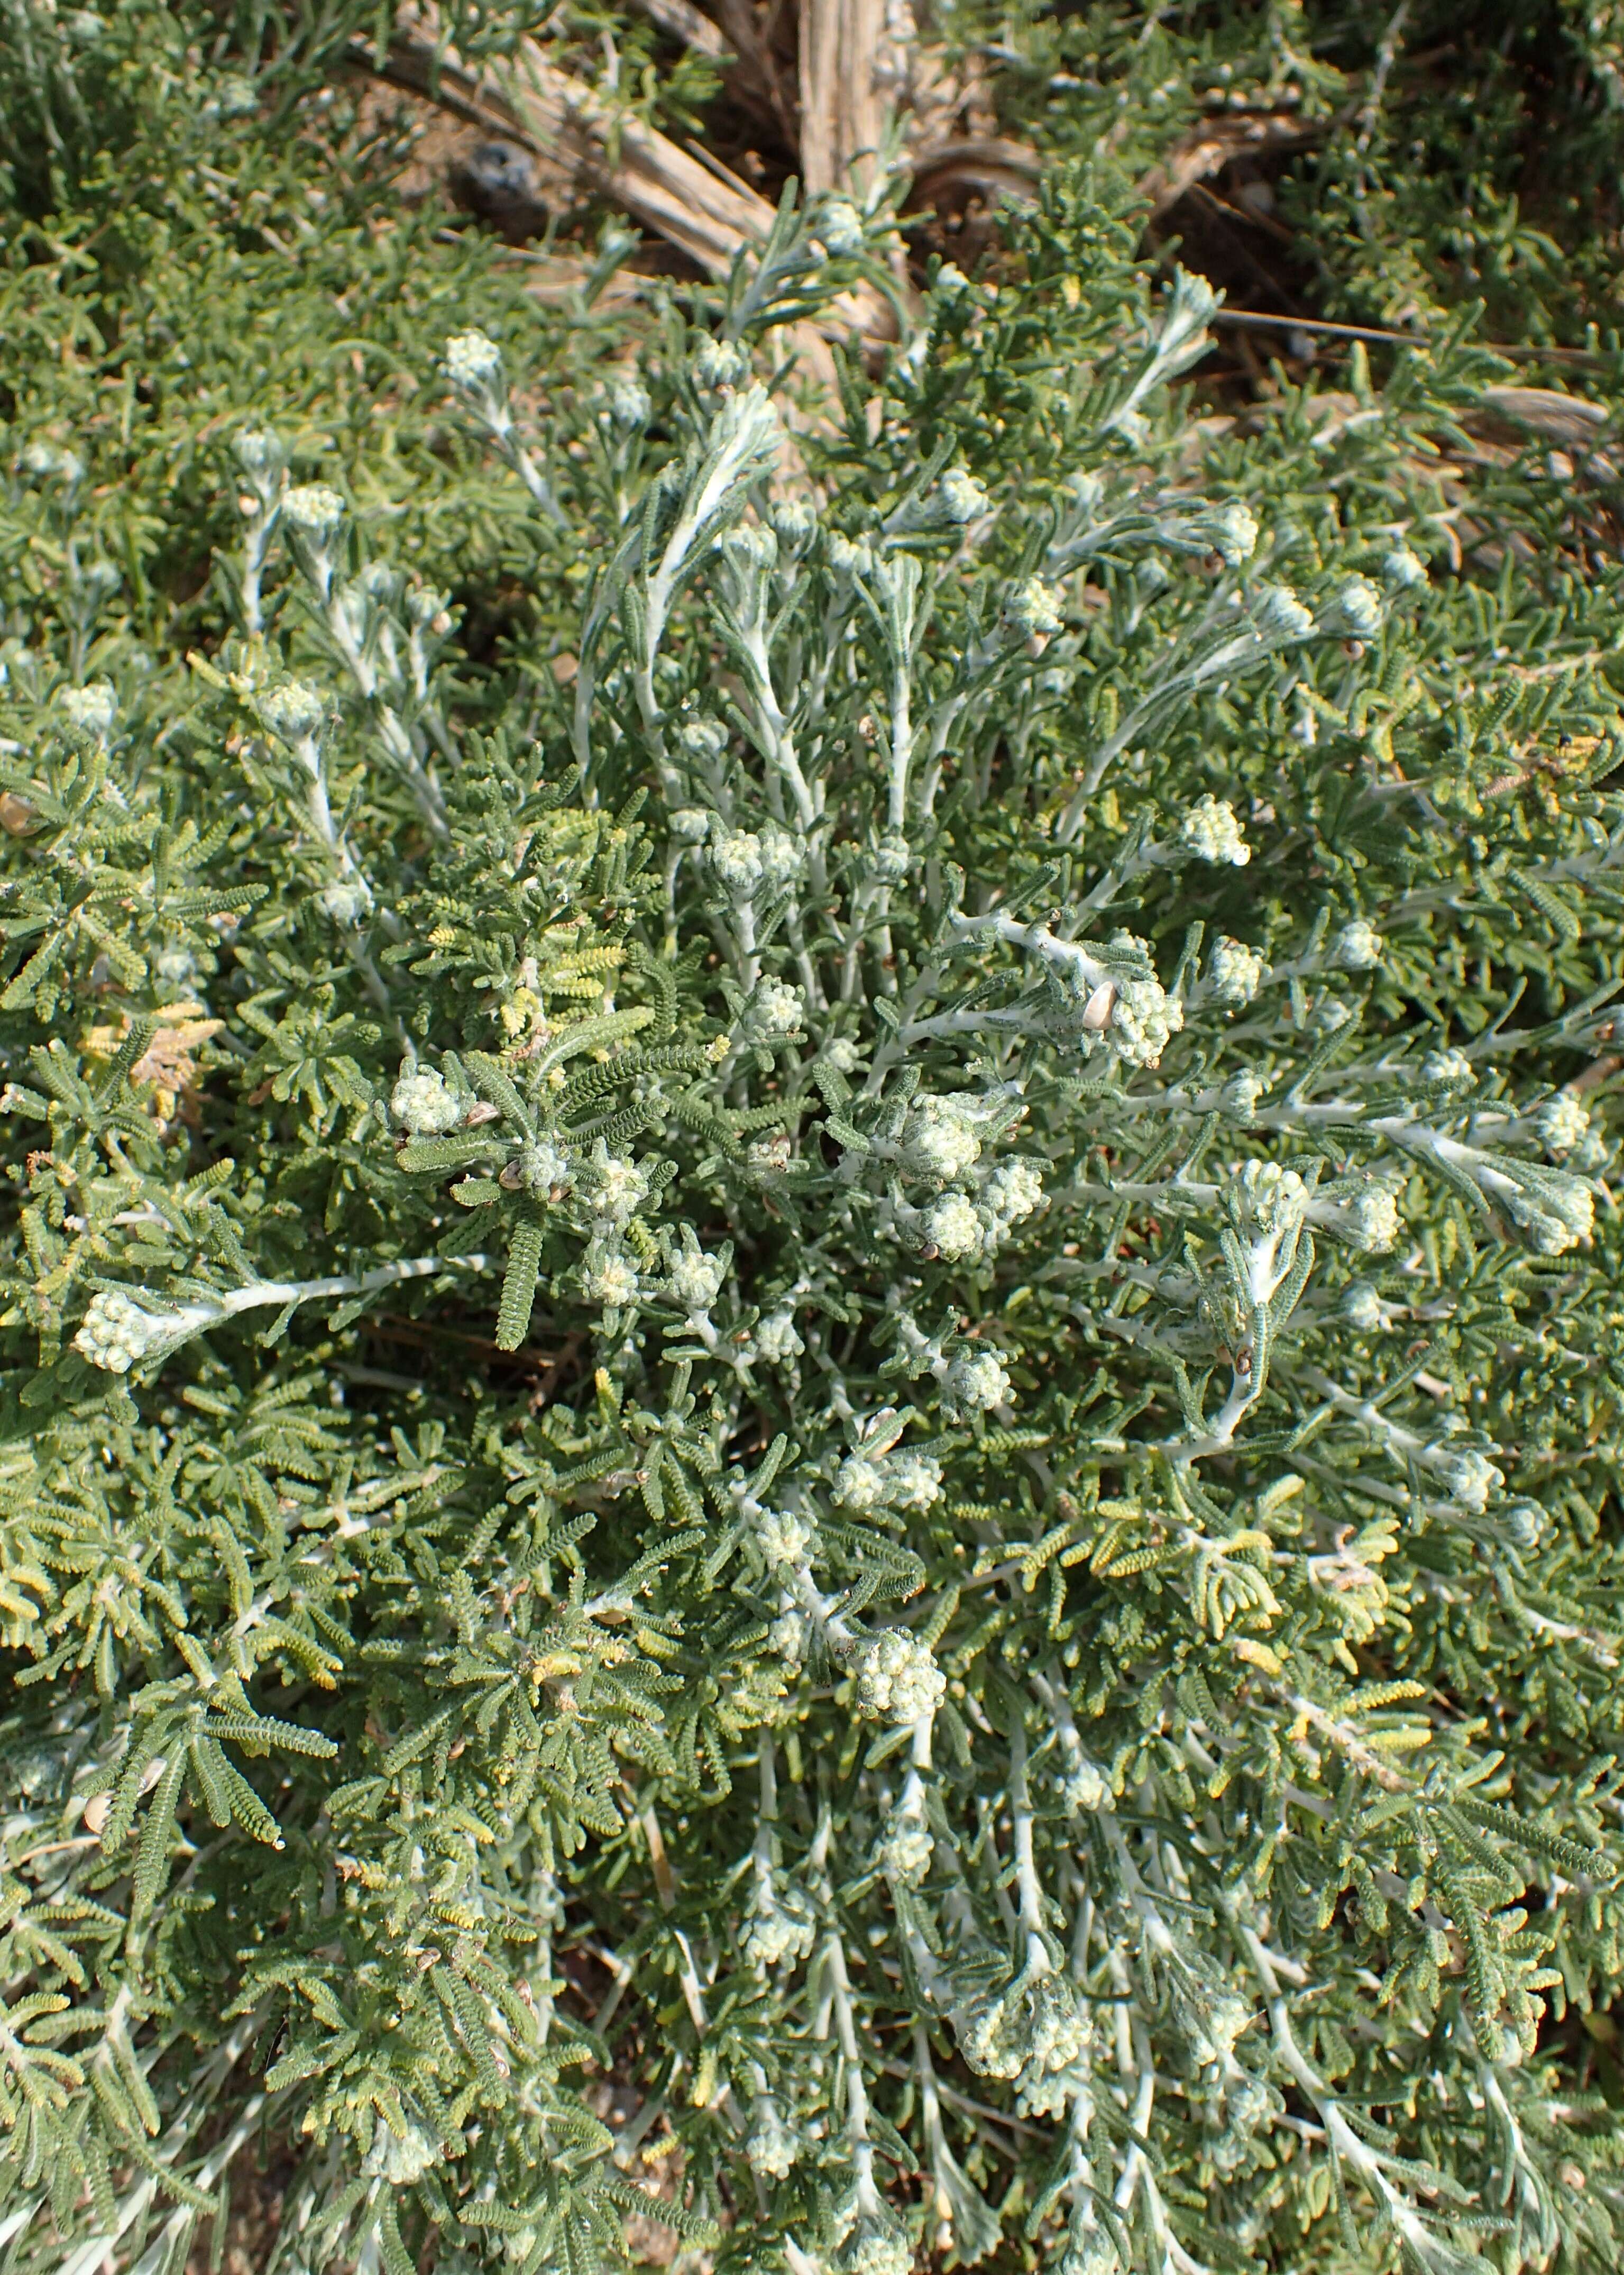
[828,1343]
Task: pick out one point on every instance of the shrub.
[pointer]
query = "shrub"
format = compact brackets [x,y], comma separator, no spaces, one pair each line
[812,1371]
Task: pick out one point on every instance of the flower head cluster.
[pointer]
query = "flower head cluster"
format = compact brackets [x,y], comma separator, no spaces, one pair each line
[784,1538]
[781,1925]
[609,1279]
[472,361]
[905,1847]
[777,1340]
[1372,1219]
[1235,971]
[940,1143]
[897,1679]
[421,1103]
[612,1187]
[911,1481]
[1143,1016]
[839,227]
[742,861]
[315,509]
[1471,1478]
[1563,1124]
[975,1383]
[1210,831]
[1274,1198]
[294,711]
[960,497]
[771,2147]
[92,709]
[117,1332]
[1358,946]
[720,366]
[1034,2031]
[775,1012]
[1234,533]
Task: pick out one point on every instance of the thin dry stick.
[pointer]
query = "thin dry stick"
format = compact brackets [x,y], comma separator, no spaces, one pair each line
[530,99]
[692,202]
[1256,320]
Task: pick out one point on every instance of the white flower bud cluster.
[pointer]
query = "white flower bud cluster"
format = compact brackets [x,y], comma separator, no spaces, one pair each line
[897,1679]
[865,1481]
[1208,2014]
[1402,569]
[421,1104]
[790,1636]
[773,1011]
[313,508]
[1358,946]
[703,742]
[91,710]
[1373,1220]
[1355,610]
[1235,971]
[904,1848]
[695,1279]
[613,1188]
[719,366]
[691,825]
[542,1168]
[771,2147]
[1084,1787]
[777,1340]
[1030,609]
[347,900]
[769,1157]
[630,404]
[785,1538]
[44,461]
[839,227]
[974,1385]
[294,711]
[848,557]
[1012,1193]
[1280,616]
[1562,1123]
[1275,1199]
[960,497]
[1470,1479]
[1240,1095]
[1088,2251]
[1035,2031]
[1447,1071]
[1234,533]
[402,2158]
[794,523]
[742,861]
[939,1143]
[877,2248]
[1143,1016]
[1363,1308]
[611,1280]
[781,1926]
[472,361]
[1210,831]
[115,1332]
[954,1227]
[1555,1214]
